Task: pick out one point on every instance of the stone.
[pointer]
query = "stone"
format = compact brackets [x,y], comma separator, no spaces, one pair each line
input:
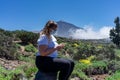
[46,76]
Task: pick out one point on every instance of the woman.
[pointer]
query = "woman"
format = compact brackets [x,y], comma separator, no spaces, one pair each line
[46,58]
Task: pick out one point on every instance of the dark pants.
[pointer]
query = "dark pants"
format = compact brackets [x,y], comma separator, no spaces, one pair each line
[49,64]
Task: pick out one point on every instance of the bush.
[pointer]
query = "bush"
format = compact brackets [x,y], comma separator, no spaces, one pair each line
[115,76]
[77,72]
[27,37]
[30,72]
[30,48]
[9,74]
[8,49]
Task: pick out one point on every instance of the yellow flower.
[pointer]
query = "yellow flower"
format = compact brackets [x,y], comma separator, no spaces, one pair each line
[86,61]
[75,45]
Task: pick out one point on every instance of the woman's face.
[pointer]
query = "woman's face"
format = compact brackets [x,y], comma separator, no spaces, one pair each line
[53,29]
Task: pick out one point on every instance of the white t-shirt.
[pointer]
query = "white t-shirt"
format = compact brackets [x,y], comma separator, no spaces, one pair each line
[43,40]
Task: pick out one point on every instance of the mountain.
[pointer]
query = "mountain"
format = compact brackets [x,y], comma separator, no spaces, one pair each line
[65,29]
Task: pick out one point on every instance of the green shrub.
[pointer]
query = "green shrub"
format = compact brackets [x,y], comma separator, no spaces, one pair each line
[30,70]
[18,45]
[77,72]
[115,76]
[27,37]
[30,48]
[8,49]
[26,59]
[9,74]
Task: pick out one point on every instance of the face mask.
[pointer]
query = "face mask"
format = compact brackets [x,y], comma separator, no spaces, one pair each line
[53,32]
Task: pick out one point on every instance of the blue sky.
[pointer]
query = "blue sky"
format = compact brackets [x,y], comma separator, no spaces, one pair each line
[33,14]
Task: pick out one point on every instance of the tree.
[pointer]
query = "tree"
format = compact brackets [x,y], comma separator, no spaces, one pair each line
[115,33]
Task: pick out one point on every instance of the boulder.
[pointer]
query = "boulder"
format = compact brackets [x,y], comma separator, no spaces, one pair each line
[46,76]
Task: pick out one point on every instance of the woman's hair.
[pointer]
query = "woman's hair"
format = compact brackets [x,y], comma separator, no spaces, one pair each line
[46,29]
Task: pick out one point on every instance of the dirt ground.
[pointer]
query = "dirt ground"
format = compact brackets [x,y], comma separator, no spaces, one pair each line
[99,77]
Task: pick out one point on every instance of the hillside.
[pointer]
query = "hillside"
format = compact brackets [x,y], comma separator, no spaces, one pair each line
[93,60]
[65,29]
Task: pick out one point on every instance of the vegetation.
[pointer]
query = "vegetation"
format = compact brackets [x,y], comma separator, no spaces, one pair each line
[8,49]
[90,58]
[115,76]
[26,37]
[30,48]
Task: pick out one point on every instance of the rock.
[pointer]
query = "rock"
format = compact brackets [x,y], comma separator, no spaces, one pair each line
[10,64]
[19,76]
[75,78]
[46,76]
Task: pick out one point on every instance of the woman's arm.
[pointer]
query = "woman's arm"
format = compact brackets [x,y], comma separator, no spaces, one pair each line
[45,51]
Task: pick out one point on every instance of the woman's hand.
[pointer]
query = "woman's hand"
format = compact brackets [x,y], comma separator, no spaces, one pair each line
[60,46]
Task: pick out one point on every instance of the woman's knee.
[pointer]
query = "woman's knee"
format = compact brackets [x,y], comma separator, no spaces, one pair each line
[66,65]
[72,63]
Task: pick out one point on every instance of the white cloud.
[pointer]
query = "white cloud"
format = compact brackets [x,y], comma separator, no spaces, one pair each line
[89,33]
